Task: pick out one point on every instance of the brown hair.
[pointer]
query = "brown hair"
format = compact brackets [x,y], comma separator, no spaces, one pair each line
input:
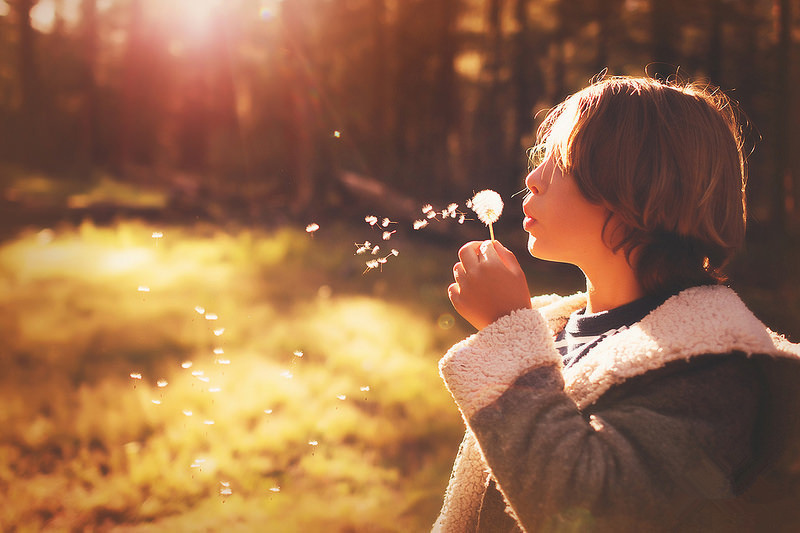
[666,161]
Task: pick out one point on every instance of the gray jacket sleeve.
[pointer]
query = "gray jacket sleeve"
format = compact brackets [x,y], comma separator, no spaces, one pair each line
[650,449]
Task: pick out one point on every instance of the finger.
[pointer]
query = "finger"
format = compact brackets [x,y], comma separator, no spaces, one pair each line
[506,256]
[458,271]
[468,254]
[454,293]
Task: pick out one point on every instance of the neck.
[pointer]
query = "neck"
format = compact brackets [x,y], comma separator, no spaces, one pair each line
[612,285]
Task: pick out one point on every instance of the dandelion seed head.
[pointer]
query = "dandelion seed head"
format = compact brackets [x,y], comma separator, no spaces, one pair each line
[387,235]
[371,220]
[386,222]
[427,208]
[376,249]
[461,219]
[451,208]
[488,205]
[419,224]
[431,214]
[372,263]
[395,252]
[381,260]
[311,228]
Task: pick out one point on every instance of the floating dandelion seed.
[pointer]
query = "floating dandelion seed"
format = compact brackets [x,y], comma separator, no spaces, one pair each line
[313,443]
[225,483]
[219,351]
[431,214]
[427,208]
[157,235]
[388,235]
[287,374]
[214,389]
[371,220]
[372,263]
[419,224]
[196,373]
[488,205]
[298,353]
[187,412]
[365,388]
[311,228]
[204,379]
[157,402]
[268,411]
[382,260]
[136,375]
[162,383]
[143,288]
[461,219]
[222,361]
[337,134]
[219,331]
[225,492]
[376,249]
[275,489]
[186,364]
[211,316]
[200,310]
[385,222]
[395,252]
[341,396]
[208,422]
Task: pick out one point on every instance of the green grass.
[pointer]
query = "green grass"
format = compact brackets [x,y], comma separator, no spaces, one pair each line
[357,433]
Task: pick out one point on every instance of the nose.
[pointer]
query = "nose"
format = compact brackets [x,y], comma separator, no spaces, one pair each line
[532,181]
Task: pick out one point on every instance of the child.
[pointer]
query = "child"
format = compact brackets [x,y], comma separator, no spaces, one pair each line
[655,400]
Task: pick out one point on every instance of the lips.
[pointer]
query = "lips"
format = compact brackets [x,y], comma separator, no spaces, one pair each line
[528,223]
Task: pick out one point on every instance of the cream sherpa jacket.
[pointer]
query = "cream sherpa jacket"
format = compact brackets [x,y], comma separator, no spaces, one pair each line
[661,426]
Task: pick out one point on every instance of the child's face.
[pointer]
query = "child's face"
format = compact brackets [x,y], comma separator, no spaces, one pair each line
[562,224]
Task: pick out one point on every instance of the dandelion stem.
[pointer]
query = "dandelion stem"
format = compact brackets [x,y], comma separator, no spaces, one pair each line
[491,231]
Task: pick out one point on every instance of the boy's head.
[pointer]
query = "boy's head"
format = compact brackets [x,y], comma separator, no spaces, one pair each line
[666,161]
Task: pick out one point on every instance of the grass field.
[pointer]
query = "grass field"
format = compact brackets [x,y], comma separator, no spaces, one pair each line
[167,379]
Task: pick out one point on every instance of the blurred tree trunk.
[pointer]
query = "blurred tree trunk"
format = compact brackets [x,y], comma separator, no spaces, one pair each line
[131,67]
[89,83]
[664,29]
[527,80]
[295,38]
[379,96]
[445,95]
[715,44]
[490,123]
[29,83]
[784,186]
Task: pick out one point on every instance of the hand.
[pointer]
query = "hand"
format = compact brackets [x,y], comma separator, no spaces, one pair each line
[489,283]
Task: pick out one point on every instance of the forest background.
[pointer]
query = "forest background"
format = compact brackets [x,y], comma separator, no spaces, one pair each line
[159,165]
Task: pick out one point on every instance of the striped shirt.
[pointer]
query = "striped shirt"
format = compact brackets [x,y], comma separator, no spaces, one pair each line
[584,331]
